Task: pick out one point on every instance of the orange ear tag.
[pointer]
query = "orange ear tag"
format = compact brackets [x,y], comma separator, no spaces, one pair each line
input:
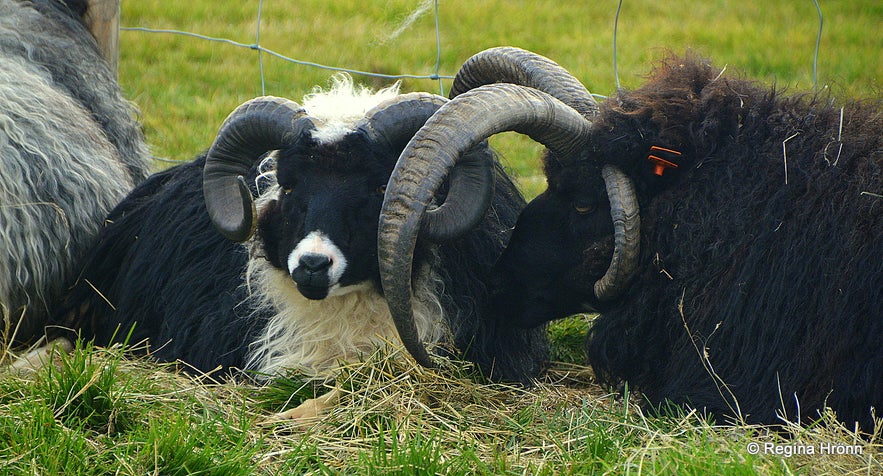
[659,163]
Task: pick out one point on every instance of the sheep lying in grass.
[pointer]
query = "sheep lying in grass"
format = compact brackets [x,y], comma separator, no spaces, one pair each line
[302,187]
[741,273]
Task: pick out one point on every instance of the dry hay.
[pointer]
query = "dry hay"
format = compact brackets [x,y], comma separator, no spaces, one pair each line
[389,396]
[388,400]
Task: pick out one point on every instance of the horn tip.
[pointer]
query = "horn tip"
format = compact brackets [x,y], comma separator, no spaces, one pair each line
[233,219]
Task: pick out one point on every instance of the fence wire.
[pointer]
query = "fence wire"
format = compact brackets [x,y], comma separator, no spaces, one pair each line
[256,46]
[435,75]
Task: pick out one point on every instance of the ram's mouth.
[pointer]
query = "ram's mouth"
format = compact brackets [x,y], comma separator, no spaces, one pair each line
[315,293]
[312,284]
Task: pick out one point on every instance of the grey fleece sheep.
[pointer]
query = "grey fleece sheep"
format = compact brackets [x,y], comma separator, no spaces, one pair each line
[70,149]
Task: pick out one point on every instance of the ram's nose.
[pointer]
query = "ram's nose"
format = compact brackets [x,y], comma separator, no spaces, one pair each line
[314,263]
[312,275]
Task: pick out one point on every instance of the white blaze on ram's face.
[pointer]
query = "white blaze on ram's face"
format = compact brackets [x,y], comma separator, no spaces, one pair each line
[316,243]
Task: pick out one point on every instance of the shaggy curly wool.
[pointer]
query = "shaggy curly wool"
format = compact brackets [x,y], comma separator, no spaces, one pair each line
[760,289]
[337,108]
[59,173]
[316,337]
[70,149]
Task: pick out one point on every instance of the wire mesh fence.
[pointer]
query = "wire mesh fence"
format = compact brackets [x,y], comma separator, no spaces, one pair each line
[282,48]
[424,7]
[421,9]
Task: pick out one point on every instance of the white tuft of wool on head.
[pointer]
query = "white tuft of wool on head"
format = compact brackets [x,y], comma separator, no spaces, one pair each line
[336,110]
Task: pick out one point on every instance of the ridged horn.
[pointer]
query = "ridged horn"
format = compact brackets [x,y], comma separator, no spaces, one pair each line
[626,217]
[252,129]
[458,126]
[393,123]
[507,64]
[518,66]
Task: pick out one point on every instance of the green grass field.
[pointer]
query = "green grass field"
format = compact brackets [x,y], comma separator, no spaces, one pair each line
[96,412]
[186,86]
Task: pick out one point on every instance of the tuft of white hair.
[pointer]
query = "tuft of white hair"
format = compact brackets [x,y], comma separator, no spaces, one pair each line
[337,109]
[315,337]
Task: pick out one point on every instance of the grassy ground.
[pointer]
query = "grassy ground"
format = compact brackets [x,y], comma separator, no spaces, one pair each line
[96,412]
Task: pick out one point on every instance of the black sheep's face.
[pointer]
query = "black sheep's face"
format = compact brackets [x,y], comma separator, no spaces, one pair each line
[322,227]
[561,245]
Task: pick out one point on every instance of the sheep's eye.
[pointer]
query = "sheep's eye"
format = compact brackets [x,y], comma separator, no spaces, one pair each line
[381,190]
[583,208]
[286,190]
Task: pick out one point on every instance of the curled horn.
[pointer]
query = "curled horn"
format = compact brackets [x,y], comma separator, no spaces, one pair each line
[506,64]
[626,234]
[393,123]
[458,126]
[252,129]
[514,65]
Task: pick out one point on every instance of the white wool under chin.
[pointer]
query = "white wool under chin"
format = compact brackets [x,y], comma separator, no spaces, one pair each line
[336,110]
[315,337]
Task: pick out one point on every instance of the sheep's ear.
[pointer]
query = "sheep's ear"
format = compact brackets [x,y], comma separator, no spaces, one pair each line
[254,128]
